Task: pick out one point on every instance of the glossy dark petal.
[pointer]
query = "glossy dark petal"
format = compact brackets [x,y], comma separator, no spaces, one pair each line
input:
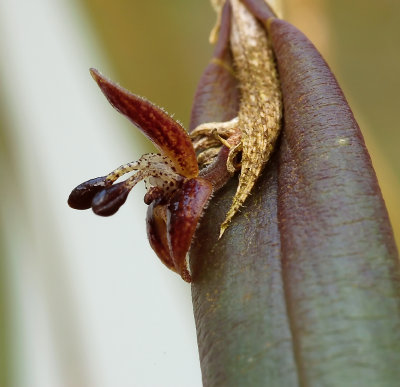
[166,134]
[157,233]
[81,197]
[108,201]
[183,213]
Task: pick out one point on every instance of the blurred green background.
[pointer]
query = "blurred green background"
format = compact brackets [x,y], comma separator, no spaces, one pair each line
[157,49]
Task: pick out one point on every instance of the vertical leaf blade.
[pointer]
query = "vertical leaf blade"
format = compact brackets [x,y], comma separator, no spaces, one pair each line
[238,297]
[242,326]
[303,289]
[341,269]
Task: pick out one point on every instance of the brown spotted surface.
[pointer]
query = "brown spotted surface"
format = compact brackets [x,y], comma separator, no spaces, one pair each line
[166,134]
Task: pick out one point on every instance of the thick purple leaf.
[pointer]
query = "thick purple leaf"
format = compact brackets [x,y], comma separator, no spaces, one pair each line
[304,287]
[242,324]
[238,299]
[341,268]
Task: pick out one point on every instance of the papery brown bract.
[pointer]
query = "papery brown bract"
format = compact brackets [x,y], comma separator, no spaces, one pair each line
[217,95]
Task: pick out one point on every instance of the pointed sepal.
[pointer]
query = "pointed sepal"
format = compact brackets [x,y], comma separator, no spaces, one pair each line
[183,213]
[166,134]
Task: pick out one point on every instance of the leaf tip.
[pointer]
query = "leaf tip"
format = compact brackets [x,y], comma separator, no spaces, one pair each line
[96,75]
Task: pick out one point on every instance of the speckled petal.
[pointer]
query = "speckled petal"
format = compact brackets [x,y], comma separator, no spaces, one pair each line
[183,213]
[157,233]
[166,134]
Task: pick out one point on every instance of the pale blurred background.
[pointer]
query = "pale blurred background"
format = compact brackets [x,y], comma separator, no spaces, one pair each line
[83,300]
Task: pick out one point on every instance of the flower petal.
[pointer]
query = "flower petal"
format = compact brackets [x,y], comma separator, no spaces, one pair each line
[183,213]
[157,233]
[166,134]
